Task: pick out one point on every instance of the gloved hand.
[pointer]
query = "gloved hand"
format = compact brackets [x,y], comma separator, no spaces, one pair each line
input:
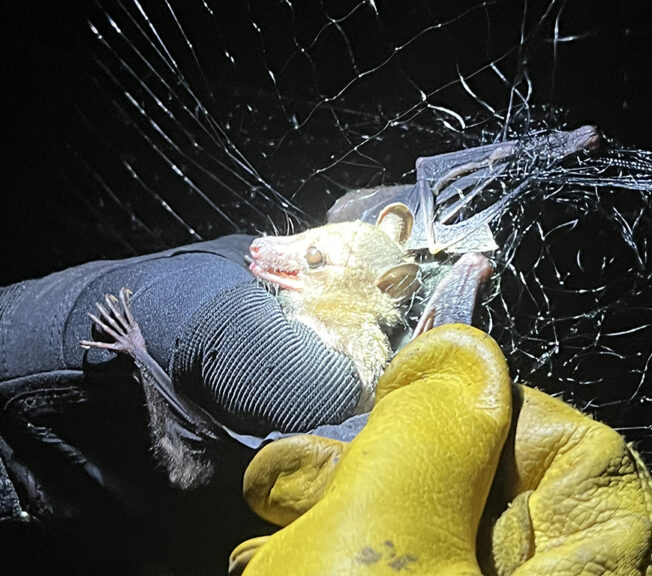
[569,496]
[580,498]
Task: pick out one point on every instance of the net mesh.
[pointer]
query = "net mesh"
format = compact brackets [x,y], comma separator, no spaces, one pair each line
[211,117]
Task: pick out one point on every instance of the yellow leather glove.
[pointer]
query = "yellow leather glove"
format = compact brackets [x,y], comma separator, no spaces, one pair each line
[408,493]
[580,499]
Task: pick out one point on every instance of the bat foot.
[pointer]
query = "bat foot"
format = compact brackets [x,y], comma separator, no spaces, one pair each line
[116,321]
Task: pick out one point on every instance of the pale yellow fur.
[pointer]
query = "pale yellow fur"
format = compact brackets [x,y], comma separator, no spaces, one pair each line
[340,300]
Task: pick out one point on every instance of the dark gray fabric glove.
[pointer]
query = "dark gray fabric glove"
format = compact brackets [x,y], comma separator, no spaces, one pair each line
[221,336]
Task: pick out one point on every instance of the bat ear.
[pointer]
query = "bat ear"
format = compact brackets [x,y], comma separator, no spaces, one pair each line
[399,282]
[396,221]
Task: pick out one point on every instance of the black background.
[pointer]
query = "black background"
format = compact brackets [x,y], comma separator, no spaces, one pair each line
[52,218]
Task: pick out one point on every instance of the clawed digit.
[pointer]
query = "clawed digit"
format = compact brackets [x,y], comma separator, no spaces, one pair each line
[116,320]
[463,175]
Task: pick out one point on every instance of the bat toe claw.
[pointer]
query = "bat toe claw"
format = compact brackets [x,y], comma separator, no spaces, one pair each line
[116,321]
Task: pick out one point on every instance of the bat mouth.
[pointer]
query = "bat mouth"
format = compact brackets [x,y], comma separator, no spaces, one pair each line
[282,278]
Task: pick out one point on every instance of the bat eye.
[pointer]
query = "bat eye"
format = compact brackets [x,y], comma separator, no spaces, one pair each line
[314,257]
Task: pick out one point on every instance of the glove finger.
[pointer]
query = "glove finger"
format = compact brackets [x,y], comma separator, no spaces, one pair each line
[243,553]
[288,476]
[409,491]
[590,503]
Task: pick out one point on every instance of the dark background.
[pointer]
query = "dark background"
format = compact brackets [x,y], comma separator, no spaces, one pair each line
[59,119]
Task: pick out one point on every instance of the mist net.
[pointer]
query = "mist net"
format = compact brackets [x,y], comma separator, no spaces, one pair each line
[213,117]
